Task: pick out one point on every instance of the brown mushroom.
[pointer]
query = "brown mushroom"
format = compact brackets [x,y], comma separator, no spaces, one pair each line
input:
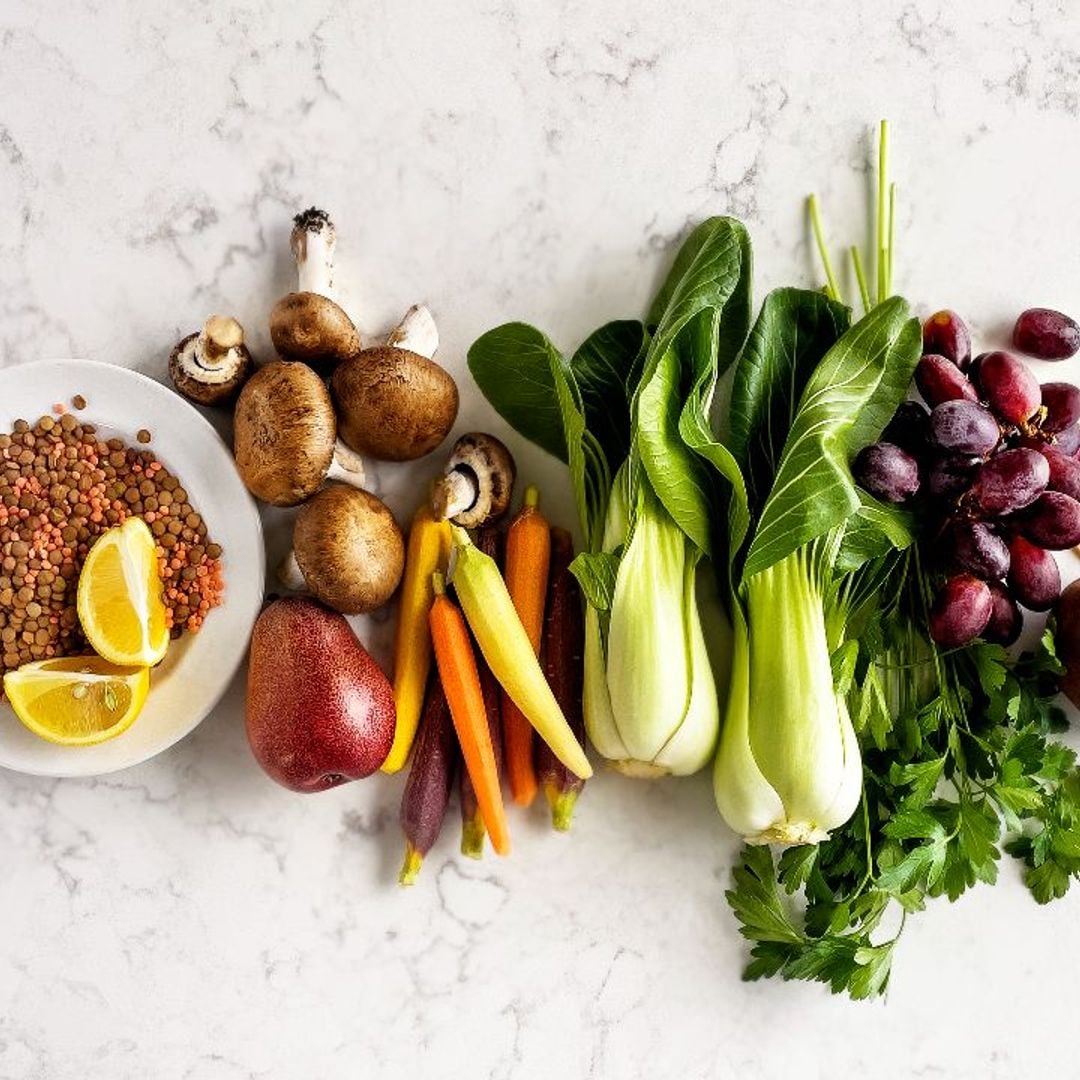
[308,325]
[476,485]
[347,551]
[393,401]
[210,366]
[285,436]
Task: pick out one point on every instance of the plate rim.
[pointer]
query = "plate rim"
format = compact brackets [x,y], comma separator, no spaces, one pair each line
[250,507]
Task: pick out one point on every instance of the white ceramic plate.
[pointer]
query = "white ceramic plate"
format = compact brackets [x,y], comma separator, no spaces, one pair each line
[199,667]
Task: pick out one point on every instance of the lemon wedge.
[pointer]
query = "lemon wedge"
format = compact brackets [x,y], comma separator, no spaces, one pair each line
[120,605]
[77,700]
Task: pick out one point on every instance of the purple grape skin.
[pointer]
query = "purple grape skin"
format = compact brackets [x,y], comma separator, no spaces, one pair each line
[1034,579]
[1009,387]
[945,334]
[1008,482]
[1052,521]
[1064,472]
[977,549]
[1047,334]
[1006,619]
[887,472]
[951,475]
[909,427]
[1068,441]
[939,379]
[961,611]
[964,427]
[1062,403]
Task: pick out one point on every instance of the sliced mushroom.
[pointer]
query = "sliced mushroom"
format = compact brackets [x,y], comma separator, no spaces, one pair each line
[210,366]
[285,436]
[476,485]
[393,401]
[308,325]
[347,551]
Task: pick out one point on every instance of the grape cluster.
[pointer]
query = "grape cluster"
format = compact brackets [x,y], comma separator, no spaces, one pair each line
[993,460]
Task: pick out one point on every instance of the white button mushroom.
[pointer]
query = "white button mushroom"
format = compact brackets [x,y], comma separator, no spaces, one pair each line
[210,366]
[393,402]
[347,551]
[308,325]
[285,436]
[476,485]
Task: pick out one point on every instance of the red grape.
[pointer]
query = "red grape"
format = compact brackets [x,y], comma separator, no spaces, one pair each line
[1008,482]
[1047,334]
[951,475]
[1062,402]
[1034,579]
[1064,472]
[909,427]
[1009,388]
[887,472]
[964,427]
[944,333]
[939,379]
[961,611]
[1053,521]
[1068,441]
[1006,621]
[979,550]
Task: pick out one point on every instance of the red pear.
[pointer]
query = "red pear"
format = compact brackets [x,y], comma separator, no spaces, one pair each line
[320,712]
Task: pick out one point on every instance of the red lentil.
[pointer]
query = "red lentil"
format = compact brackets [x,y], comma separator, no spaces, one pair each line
[60,487]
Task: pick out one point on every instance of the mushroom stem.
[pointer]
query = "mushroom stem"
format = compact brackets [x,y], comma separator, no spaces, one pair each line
[290,574]
[346,466]
[454,493]
[416,332]
[220,335]
[312,242]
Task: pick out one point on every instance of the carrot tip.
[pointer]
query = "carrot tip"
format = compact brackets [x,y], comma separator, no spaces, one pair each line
[411,866]
[562,805]
[472,837]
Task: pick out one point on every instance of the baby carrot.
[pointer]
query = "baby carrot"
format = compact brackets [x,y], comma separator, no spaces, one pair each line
[489,541]
[528,555]
[428,551]
[457,669]
[564,647]
[431,778]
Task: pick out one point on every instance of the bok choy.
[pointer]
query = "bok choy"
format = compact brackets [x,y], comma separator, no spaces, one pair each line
[647,502]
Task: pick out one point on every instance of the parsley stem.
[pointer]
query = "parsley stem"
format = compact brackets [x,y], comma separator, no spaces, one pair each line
[882,211]
[860,277]
[832,289]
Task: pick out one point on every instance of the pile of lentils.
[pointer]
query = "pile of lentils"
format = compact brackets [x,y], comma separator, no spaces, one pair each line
[61,486]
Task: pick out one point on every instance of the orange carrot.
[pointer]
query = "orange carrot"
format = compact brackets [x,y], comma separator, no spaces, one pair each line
[528,558]
[456,662]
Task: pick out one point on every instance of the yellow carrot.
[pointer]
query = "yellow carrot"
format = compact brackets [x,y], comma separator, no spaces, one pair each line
[509,652]
[528,556]
[428,551]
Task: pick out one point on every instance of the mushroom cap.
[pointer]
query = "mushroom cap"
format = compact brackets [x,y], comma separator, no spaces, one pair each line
[349,549]
[206,384]
[284,433]
[312,329]
[393,404]
[490,465]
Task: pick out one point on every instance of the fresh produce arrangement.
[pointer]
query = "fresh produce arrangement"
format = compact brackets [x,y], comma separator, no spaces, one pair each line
[812,581]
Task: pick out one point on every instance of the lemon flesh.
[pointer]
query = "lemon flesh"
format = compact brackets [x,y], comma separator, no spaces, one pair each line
[120,605]
[77,700]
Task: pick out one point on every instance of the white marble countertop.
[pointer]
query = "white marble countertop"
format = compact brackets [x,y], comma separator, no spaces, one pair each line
[188,918]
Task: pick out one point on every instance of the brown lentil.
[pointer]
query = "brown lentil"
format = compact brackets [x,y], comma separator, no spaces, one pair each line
[143,435]
[78,402]
[60,487]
